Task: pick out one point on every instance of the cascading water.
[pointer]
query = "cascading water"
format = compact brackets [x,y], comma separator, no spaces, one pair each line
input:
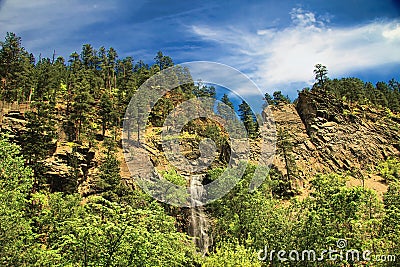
[198,221]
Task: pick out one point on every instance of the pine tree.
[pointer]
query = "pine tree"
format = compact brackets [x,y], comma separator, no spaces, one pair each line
[162,61]
[16,70]
[59,80]
[75,63]
[391,227]
[126,82]
[38,140]
[111,68]
[321,76]
[280,98]
[107,112]
[268,99]
[89,57]
[249,119]
[81,107]
[227,110]
[382,94]
[202,90]
[109,182]
[225,99]
[47,81]
[285,147]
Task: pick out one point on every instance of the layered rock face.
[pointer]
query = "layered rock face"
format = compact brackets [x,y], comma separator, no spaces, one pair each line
[65,158]
[329,135]
[305,153]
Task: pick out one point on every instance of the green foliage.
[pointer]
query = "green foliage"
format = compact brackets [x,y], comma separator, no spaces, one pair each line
[103,233]
[249,119]
[391,227]
[390,170]
[280,186]
[285,148]
[163,107]
[333,211]
[202,90]
[174,177]
[268,99]
[162,61]
[16,70]
[38,140]
[70,184]
[226,101]
[355,90]
[280,98]
[240,214]
[277,98]
[82,106]
[321,75]
[107,112]
[109,183]
[231,255]
[15,186]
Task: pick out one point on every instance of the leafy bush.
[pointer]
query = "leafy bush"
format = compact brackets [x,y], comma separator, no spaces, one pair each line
[231,255]
[390,169]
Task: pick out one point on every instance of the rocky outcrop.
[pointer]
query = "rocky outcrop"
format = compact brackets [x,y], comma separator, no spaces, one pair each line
[65,159]
[72,162]
[330,135]
[305,153]
[348,136]
[13,123]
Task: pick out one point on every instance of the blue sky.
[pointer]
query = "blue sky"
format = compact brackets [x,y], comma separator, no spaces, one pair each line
[275,43]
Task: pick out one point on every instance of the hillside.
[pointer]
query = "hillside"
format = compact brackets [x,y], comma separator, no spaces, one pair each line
[72,193]
[327,135]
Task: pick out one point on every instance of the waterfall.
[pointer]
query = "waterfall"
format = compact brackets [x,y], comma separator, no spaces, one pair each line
[198,221]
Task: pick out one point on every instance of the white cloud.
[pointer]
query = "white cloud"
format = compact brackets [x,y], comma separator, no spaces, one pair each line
[392,34]
[303,18]
[275,58]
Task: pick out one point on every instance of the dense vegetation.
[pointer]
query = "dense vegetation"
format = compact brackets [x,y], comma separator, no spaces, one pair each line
[116,225]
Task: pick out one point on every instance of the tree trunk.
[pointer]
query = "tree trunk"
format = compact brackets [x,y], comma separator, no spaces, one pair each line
[287,168]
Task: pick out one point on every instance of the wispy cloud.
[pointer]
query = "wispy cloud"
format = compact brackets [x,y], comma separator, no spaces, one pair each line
[279,57]
[52,21]
[135,28]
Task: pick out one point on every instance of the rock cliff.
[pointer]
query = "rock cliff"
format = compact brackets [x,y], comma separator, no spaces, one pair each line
[329,135]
